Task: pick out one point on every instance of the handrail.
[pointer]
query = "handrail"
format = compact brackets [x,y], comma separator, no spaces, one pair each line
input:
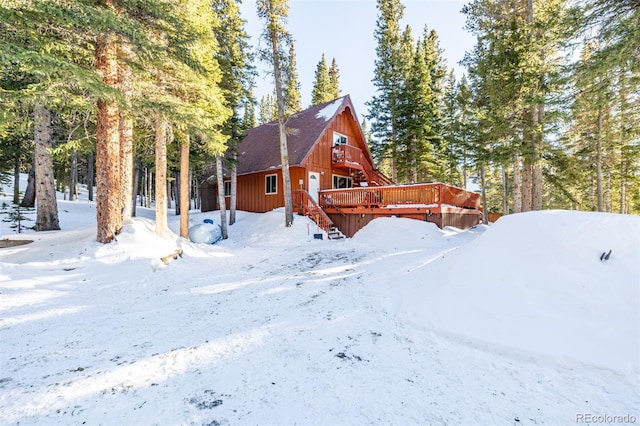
[306,205]
[430,194]
[353,157]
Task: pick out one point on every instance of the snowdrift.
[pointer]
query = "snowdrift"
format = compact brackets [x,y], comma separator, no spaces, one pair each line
[535,282]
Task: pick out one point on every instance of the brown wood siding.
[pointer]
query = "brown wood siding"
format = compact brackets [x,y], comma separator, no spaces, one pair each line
[251,190]
[319,159]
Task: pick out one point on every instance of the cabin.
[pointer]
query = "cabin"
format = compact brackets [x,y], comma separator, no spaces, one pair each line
[333,177]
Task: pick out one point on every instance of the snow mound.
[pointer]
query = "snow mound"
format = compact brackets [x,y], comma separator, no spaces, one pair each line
[535,282]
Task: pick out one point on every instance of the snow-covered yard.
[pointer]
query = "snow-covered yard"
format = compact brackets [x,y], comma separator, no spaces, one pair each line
[516,323]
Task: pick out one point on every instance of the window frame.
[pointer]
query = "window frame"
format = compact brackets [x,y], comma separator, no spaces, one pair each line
[340,139]
[227,188]
[267,186]
[336,180]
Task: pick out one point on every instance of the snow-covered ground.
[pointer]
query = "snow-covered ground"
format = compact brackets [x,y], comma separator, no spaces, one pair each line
[516,323]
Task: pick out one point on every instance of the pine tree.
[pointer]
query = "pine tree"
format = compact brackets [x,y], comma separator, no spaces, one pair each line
[321,91]
[274,13]
[268,110]
[235,59]
[388,80]
[334,78]
[292,86]
[513,70]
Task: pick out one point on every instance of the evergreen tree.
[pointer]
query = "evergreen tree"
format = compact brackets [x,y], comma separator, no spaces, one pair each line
[334,79]
[292,86]
[388,78]
[249,120]
[322,90]
[513,68]
[268,110]
[235,59]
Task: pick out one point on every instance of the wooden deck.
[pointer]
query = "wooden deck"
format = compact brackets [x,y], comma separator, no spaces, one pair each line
[445,205]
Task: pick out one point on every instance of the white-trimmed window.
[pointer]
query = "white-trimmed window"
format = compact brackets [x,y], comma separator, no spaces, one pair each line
[271,184]
[227,188]
[341,182]
[339,139]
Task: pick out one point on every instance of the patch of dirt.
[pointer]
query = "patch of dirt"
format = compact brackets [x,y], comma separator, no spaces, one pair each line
[12,243]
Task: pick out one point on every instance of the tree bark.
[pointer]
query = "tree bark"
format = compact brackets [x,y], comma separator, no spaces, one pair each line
[517,188]
[234,190]
[505,203]
[136,187]
[90,174]
[162,227]
[16,172]
[599,191]
[108,186]
[485,213]
[29,199]
[46,203]
[221,202]
[73,176]
[125,84]
[184,188]
[537,177]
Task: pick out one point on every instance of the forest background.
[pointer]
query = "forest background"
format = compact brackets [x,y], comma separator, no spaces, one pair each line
[137,97]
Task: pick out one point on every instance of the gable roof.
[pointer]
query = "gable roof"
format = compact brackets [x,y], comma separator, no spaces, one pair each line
[259,151]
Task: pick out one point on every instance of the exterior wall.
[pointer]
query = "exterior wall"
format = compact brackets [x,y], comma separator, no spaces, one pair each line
[251,190]
[319,159]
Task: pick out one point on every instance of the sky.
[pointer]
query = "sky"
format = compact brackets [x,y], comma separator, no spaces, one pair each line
[515,323]
[344,30]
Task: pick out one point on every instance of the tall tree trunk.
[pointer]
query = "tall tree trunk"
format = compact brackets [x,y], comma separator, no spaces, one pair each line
[90,174]
[136,187]
[623,186]
[278,73]
[485,213]
[150,191]
[162,227]
[221,202]
[464,168]
[537,177]
[46,203]
[505,202]
[125,84]
[29,199]
[184,188]
[73,176]
[599,191]
[234,189]
[517,188]
[607,191]
[178,180]
[108,186]
[16,172]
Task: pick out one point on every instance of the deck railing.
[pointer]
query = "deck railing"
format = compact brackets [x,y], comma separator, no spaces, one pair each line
[429,194]
[304,204]
[352,156]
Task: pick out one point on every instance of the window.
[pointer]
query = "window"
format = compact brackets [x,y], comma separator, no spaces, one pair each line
[227,188]
[341,182]
[271,184]
[339,139]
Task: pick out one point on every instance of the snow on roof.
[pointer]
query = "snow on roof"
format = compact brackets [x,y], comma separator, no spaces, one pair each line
[330,110]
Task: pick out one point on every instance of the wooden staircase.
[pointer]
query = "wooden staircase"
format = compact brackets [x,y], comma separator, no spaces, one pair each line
[307,206]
